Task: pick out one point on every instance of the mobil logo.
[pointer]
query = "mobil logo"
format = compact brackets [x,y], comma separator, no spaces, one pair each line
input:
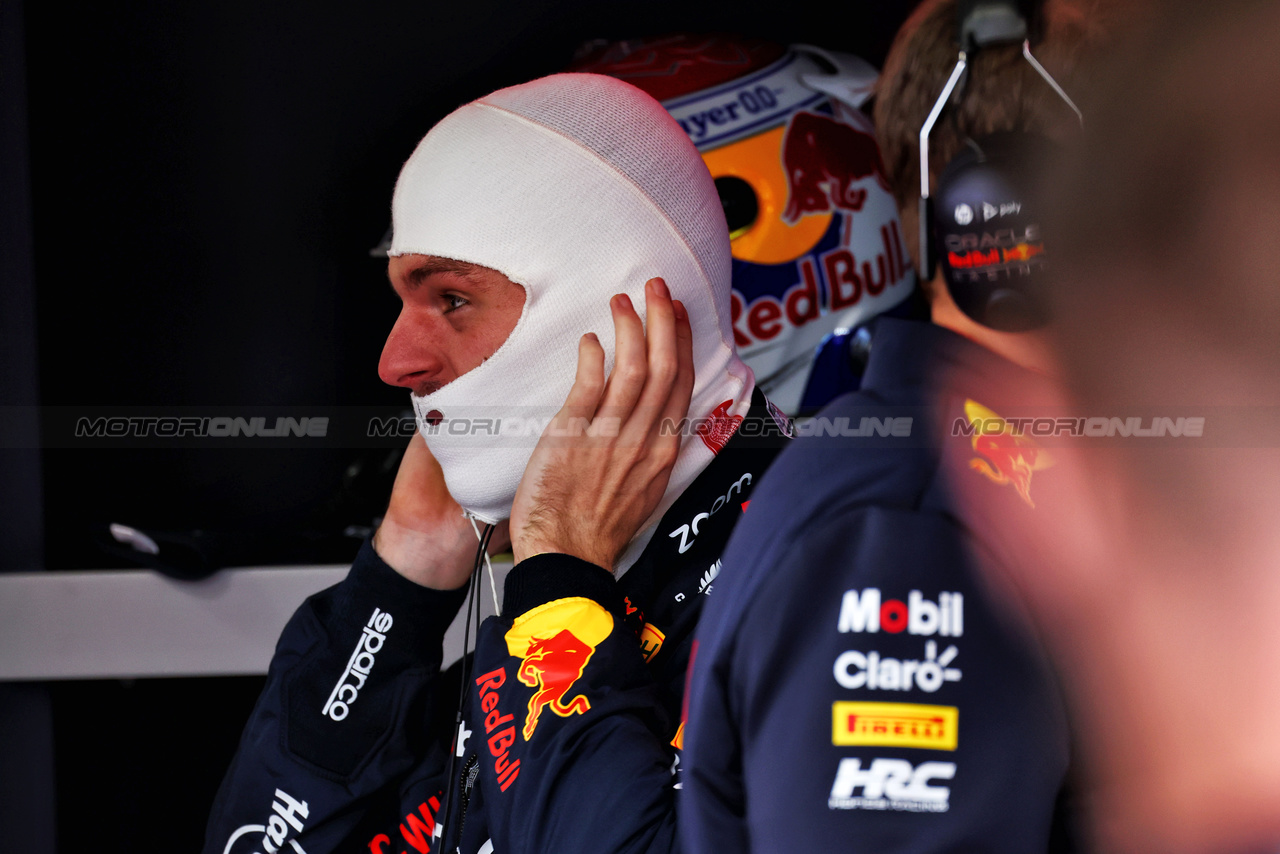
[867,610]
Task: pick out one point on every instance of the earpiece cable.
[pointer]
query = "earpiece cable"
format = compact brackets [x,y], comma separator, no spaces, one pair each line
[472,613]
[493,586]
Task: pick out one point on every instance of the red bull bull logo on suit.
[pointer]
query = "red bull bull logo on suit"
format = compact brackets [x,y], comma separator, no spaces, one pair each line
[554,643]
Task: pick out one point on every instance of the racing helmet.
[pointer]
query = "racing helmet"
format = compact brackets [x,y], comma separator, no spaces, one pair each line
[816,242]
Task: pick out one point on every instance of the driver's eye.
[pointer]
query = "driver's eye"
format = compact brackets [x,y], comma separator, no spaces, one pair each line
[739,202]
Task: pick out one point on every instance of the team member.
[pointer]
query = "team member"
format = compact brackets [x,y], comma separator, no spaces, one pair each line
[856,687]
[514,220]
[1161,597]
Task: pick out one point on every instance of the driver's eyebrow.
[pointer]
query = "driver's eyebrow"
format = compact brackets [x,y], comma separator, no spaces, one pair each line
[433,266]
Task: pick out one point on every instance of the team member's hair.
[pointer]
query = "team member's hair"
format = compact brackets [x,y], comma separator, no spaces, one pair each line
[1002,93]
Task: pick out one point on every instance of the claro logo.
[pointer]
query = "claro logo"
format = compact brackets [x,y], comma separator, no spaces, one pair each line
[855,669]
[863,611]
[372,637]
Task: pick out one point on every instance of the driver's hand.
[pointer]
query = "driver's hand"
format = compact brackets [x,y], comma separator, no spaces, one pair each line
[424,535]
[602,466]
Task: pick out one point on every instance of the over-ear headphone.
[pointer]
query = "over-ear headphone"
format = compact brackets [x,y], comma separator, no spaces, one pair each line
[982,223]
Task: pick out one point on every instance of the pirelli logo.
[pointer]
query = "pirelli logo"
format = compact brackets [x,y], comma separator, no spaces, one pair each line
[895,725]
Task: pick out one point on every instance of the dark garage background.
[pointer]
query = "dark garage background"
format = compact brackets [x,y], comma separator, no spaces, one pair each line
[190,193]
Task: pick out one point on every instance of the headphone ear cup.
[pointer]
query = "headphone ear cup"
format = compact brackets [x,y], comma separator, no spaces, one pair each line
[988,236]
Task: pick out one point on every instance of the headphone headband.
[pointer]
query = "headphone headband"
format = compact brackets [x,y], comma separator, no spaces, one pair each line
[981,24]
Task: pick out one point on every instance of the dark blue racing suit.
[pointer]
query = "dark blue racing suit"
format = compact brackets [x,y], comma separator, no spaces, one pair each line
[857,687]
[570,739]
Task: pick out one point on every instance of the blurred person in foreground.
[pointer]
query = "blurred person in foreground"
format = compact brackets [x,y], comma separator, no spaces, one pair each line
[1160,592]
[858,686]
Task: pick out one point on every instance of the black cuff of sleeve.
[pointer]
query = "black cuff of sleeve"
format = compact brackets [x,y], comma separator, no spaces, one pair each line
[547,577]
[421,612]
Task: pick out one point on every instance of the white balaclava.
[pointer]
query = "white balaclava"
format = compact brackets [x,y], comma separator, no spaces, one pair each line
[576,187]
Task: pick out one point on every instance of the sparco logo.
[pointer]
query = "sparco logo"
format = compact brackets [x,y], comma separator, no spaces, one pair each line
[864,612]
[891,784]
[683,532]
[372,637]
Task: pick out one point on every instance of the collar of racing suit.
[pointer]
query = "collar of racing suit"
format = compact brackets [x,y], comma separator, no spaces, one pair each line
[665,588]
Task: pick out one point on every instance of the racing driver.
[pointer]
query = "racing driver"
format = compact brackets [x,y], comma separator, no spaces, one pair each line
[514,221]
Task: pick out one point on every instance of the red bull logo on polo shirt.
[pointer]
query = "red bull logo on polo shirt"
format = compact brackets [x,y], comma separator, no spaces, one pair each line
[1005,455]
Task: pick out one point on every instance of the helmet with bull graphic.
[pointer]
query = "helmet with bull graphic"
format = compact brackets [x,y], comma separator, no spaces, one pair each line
[814,230]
